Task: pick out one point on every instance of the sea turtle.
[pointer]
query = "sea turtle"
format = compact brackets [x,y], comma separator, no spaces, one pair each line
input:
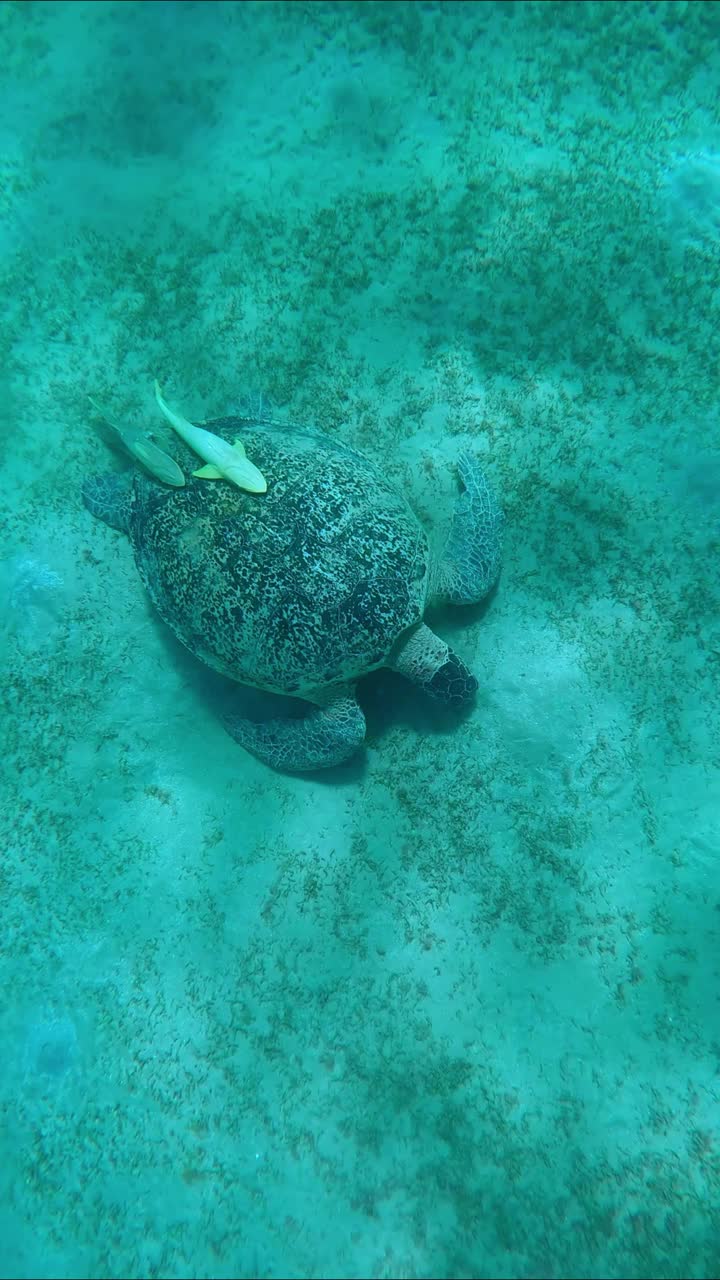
[304,588]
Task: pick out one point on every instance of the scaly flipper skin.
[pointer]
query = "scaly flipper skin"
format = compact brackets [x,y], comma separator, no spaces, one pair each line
[326,736]
[108,498]
[470,562]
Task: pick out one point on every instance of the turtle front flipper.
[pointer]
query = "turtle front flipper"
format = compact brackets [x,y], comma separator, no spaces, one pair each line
[108,498]
[328,735]
[470,562]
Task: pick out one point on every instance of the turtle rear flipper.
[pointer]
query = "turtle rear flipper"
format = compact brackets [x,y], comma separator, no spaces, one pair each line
[326,736]
[108,498]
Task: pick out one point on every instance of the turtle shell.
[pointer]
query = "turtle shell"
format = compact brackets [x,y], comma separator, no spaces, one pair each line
[304,586]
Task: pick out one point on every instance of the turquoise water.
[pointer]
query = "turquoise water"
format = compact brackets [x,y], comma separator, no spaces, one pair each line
[450,1009]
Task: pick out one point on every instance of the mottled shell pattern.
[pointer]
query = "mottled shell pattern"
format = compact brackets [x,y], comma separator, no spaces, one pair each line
[306,585]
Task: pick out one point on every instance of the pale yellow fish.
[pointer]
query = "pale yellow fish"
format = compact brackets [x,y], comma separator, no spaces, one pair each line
[157,462]
[224,461]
